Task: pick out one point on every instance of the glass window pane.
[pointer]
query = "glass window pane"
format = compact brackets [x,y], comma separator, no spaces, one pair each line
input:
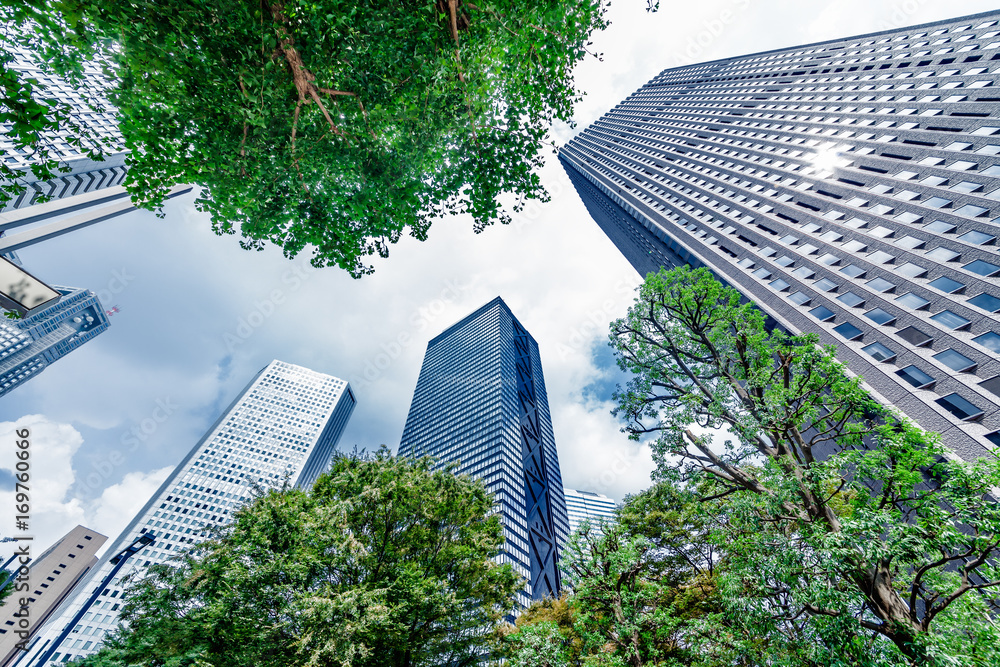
[911,270]
[879,351]
[880,257]
[982,268]
[879,316]
[848,331]
[853,271]
[987,302]
[784,260]
[912,300]
[943,254]
[940,227]
[779,285]
[762,273]
[880,285]
[950,319]
[990,340]
[954,360]
[978,238]
[800,298]
[915,376]
[803,272]
[851,299]
[826,285]
[959,407]
[947,285]
[821,313]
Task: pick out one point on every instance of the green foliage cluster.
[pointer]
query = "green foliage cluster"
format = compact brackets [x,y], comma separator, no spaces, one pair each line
[384,562]
[822,529]
[63,43]
[332,124]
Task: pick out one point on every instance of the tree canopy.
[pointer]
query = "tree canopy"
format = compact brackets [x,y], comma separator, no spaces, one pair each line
[848,534]
[385,562]
[332,124]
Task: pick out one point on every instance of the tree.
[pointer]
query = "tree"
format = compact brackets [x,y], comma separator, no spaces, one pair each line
[336,124]
[385,562]
[850,535]
[62,41]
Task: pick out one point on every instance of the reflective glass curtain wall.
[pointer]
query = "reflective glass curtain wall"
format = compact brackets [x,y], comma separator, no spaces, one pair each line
[480,400]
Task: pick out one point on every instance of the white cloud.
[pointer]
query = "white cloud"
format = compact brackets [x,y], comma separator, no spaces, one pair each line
[53,510]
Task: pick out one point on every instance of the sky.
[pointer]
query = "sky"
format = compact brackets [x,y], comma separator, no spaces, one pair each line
[199,316]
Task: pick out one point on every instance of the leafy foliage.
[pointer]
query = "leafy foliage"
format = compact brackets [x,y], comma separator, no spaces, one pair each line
[384,562]
[61,40]
[849,536]
[336,124]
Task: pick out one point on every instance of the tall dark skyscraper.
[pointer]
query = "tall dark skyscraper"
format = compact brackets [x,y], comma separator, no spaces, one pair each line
[848,188]
[480,400]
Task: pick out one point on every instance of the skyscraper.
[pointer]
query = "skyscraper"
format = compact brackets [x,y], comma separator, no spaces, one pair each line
[284,425]
[480,400]
[47,333]
[84,174]
[848,188]
[588,506]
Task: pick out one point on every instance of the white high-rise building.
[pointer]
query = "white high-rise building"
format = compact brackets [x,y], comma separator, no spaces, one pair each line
[284,425]
[588,506]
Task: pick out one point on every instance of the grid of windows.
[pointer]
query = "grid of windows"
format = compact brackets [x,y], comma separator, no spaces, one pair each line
[283,426]
[588,506]
[85,174]
[468,408]
[858,178]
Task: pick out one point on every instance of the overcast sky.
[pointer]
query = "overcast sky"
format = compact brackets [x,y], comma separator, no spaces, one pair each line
[198,315]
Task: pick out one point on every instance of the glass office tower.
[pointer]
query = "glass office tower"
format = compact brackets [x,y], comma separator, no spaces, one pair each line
[283,426]
[480,400]
[849,188]
[46,334]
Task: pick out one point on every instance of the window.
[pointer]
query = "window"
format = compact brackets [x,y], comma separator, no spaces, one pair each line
[990,340]
[762,273]
[848,331]
[822,313]
[881,285]
[947,285]
[879,316]
[909,242]
[943,254]
[855,246]
[976,238]
[911,270]
[916,377]
[826,285]
[851,299]
[879,352]
[880,257]
[803,272]
[912,300]
[914,336]
[982,268]
[784,260]
[853,271]
[940,227]
[950,319]
[955,361]
[779,284]
[959,407]
[800,298]
[987,302]
[829,259]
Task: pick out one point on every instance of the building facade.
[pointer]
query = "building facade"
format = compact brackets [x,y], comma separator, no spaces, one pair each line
[849,188]
[47,333]
[51,578]
[284,425]
[588,506]
[480,401]
[88,108]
